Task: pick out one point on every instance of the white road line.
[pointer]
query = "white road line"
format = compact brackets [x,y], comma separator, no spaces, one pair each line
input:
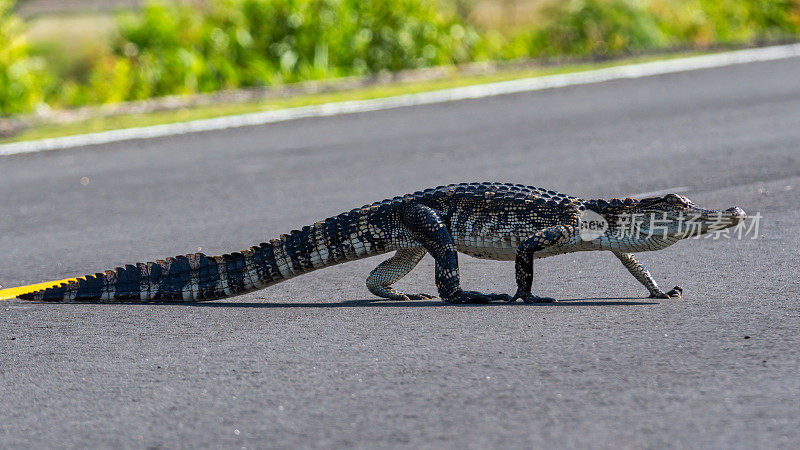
[674,190]
[425,98]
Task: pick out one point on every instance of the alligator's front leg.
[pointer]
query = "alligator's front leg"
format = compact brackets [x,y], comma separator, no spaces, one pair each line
[548,237]
[429,229]
[641,273]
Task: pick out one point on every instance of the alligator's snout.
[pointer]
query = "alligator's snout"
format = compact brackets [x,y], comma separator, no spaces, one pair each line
[737,215]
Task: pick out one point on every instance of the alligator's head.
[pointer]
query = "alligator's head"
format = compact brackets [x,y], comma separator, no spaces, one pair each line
[656,222]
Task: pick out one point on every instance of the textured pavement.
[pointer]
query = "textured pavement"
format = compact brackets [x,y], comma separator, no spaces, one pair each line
[317,362]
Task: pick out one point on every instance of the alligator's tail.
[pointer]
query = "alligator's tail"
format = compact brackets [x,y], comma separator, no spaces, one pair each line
[199,277]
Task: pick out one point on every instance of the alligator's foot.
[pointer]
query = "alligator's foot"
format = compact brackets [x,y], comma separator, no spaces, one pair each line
[474,297]
[676,292]
[418,296]
[527,297]
[403,296]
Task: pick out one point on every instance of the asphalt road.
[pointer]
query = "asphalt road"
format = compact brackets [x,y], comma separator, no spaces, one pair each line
[317,362]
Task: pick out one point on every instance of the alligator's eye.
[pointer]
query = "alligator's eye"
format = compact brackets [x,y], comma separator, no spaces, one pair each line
[674,199]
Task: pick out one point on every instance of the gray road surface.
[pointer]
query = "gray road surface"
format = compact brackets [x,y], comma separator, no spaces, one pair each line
[317,362]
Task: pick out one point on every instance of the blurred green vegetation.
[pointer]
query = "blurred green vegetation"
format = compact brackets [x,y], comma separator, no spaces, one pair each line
[590,27]
[603,28]
[186,47]
[178,48]
[22,77]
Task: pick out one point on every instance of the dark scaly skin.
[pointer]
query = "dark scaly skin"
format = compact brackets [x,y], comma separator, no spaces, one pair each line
[498,221]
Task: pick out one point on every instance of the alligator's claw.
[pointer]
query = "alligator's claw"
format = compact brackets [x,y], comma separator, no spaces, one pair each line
[527,297]
[676,292]
[419,296]
[474,297]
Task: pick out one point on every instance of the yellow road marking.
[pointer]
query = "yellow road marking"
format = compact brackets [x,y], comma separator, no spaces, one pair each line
[10,293]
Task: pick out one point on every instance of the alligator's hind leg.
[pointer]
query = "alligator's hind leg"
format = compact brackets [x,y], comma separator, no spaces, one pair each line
[641,273]
[430,230]
[392,270]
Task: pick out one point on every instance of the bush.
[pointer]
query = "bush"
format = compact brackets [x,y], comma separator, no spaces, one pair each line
[590,27]
[611,27]
[170,48]
[708,22]
[22,80]
[185,47]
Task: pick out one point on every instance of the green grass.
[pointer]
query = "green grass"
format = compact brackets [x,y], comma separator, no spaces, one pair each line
[378,91]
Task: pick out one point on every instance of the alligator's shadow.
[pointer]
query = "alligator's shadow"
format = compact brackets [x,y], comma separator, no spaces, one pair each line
[372,303]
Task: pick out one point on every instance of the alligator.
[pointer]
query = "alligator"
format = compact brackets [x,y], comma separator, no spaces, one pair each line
[499,221]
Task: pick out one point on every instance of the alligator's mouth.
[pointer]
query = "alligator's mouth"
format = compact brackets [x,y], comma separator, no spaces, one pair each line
[737,215]
[700,221]
[689,222]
